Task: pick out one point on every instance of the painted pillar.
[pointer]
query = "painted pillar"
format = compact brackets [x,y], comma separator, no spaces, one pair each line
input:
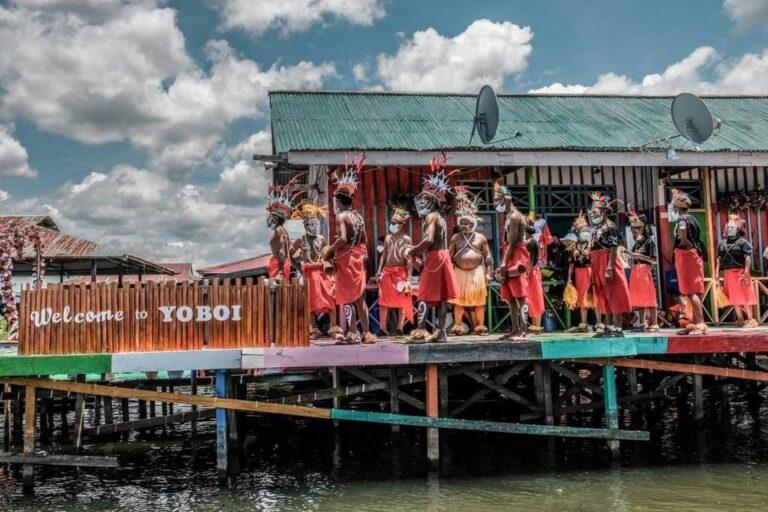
[664,238]
[432,395]
[529,182]
[706,189]
[611,406]
[221,424]
[30,404]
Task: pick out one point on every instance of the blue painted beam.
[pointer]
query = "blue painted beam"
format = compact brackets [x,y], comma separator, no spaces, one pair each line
[221,422]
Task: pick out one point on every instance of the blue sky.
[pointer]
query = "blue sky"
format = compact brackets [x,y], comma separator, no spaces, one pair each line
[131,121]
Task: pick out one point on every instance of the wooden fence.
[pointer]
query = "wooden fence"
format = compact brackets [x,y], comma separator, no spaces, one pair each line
[152,316]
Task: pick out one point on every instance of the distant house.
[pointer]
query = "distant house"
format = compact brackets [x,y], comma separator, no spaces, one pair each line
[67,256]
[183,274]
[250,267]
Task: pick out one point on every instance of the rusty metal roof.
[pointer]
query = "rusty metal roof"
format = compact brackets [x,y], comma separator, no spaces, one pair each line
[252,266]
[183,273]
[55,243]
[360,121]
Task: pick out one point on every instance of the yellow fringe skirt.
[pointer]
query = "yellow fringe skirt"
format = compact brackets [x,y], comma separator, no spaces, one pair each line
[472,288]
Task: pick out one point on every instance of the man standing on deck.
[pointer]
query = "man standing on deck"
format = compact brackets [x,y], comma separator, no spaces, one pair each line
[609,282]
[348,252]
[307,251]
[472,265]
[437,283]
[515,261]
[394,274]
[689,258]
[280,207]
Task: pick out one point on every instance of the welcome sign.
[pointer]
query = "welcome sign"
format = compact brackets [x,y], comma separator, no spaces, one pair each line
[152,316]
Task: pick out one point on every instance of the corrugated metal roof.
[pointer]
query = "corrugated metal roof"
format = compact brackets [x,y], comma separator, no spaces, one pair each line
[55,243]
[339,121]
[183,273]
[234,267]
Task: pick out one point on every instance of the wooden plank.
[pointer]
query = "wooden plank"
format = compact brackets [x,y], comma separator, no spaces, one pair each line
[158,421]
[693,369]
[43,459]
[175,360]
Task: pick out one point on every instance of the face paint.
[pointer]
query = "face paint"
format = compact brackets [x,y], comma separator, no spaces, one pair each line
[272,221]
[672,214]
[394,227]
[423,205]
[312,227]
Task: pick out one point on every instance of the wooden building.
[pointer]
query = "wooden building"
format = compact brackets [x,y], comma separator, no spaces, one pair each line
[552,150]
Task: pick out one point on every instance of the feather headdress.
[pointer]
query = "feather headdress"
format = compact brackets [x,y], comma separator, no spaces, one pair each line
[436,184]
[280,198]
[600,200]
[400,215]
[580,222]
[635,220]
[347,181]
[680,198]
[466,204]
[310,209]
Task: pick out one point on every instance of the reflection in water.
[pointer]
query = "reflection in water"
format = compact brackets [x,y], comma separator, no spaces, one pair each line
[299,465]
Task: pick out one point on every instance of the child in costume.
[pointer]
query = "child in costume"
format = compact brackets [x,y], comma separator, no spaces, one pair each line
[689,259]
[735,261]
[608,279]
[307,251]
[437,283]
[472,265]
[394,273]
[348,252]
[534,297]
[642,286]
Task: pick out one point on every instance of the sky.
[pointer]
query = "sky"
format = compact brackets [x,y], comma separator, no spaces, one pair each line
[133,122]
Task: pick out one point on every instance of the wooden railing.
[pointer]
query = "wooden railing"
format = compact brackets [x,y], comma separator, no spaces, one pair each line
[719,314]
[152,316]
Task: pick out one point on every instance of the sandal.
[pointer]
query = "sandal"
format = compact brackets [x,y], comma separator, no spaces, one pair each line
[418,336]
[314,333]
[751,323]
[653,328]
[458,330]
[599,328]
[480,330]
[353,338]
[369,338]
[535,329]
[437,337]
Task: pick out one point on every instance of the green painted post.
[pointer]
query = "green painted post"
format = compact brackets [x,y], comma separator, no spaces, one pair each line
[611,406]
[531,190]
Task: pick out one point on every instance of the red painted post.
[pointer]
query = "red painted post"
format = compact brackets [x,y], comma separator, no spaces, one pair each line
[433,437]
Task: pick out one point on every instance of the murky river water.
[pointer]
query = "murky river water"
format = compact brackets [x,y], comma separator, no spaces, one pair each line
[309,465]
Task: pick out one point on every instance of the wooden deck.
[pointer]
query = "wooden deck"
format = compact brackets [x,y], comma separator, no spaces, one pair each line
[465,349]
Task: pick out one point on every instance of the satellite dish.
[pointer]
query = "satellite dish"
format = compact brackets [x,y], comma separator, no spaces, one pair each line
[692,118]
[486,115]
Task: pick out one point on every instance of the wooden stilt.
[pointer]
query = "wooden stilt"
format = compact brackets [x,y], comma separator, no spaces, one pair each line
[336,383]
[30,420]
[444,407]
[7,420]
[698,393]
[632,381]
[79,416]
[432,398]
[221,425]
[231,417]
[125,410]
[109,415]
[193,390]
[394,396]
[611,406]
[543,381]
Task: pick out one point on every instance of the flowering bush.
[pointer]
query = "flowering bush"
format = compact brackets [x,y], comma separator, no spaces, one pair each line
[14,237]
[739,201]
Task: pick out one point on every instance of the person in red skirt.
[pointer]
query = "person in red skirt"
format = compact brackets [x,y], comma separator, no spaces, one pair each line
[394,274]
[306,252]
[689,258]
[608,279]
[348,253]
[580,273]
[437,283]
[642,286]
[534,296]
[280,208]
[515,261]
[735,260]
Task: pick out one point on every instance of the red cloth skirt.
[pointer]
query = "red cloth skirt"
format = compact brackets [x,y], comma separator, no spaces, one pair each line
[582,279]
[350,273]
[642,288]
[690,271]
[272,269]
[320,286]
[612,298]
[436,281]
[738,294]
[535,293]
[389,297]
[516,287]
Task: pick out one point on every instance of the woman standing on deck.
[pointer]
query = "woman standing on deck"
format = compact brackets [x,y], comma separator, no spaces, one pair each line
[580,273]
[735,260]
[642,287]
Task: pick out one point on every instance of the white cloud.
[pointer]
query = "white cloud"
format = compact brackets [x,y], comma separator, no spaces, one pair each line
[485,53]
[745,75]
[13,156]
[295,15]
[746,13]
[129,78]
